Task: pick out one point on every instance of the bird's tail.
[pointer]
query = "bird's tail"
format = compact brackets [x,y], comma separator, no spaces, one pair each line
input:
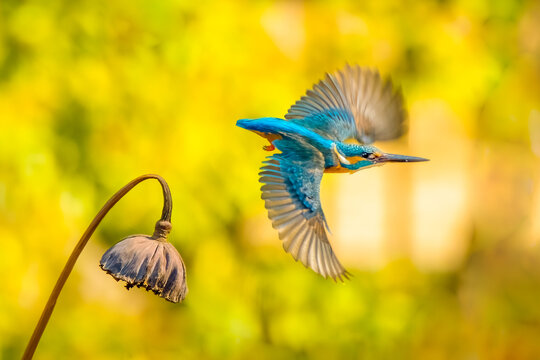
[266,125]
[244,123]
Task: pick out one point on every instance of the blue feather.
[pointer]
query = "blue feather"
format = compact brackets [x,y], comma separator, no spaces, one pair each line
[353,103]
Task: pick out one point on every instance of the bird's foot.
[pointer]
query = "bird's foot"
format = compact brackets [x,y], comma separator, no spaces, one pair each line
[270,147]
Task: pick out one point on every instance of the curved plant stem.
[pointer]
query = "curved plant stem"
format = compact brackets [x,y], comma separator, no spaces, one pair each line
[49,307]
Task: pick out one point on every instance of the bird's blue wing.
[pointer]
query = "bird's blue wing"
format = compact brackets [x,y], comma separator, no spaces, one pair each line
[291,193]
[352,103]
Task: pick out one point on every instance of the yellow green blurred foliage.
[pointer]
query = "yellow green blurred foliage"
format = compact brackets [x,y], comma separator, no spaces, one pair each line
[445,254]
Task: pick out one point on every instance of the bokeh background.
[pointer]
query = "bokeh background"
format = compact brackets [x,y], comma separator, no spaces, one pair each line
[445,255]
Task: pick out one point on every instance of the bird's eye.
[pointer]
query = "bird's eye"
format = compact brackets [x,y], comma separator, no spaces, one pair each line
[369,156]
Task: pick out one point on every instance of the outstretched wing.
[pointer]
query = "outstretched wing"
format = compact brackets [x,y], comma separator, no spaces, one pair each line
[351,103]
[291,193]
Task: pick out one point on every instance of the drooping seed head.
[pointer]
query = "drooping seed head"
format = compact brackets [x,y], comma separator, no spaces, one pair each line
[150,262]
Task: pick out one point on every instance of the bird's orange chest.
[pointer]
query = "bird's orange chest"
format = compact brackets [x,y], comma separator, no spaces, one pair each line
[337,169]
[340,169]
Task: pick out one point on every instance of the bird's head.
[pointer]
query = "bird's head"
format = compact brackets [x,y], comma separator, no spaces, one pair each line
[354,157]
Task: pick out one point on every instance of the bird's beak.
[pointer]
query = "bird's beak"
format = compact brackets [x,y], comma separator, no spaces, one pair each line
[399,158]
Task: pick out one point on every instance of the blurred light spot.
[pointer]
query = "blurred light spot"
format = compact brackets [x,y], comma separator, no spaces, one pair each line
[31,24]
[95,286]
[534,131]
[33,164]
[460,27]
[351,24]
[529,31]
[258,229]
[439,222]
[29,287]
[2,196]
[358,218]
[382,50]
[284,23]
[92,84]
[70,205]
[440,201]
[241,329]
[535,216]
[391,312]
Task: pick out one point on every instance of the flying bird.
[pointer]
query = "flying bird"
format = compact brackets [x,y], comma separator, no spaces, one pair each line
[355,104]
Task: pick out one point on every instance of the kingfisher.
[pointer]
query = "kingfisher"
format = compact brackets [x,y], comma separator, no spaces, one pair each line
[329,130]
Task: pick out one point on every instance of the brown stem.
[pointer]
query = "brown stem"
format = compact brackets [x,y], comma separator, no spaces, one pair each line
[49,307]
